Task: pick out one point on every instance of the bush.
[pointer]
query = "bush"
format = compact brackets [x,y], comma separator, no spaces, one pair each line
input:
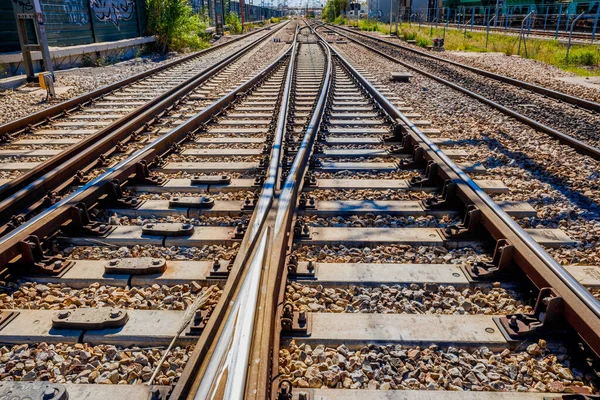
[175,26]
[275,20]
[235,25]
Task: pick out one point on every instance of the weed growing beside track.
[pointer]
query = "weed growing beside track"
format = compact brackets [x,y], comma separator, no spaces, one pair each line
[584,59]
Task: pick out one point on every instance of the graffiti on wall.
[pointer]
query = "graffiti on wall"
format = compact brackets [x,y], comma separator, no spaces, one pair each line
[113,11]
[76,13]
[25,5]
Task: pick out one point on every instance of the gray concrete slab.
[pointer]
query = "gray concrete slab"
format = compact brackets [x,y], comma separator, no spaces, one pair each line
[65,132]
[18,166]
[358,166]
[29,153]
[193,167]
[221,140]
[161,208]
[370,236]
[35,326]
[358,329]
[203,235]
[221,152]
[347,274]
[362,394]
[145,328]
[183,185]
[44,141]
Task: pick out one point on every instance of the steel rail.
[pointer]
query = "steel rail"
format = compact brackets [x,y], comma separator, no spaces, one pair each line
[199,364]
[226,368]
[577,144]
[269,327]
[72,104]
[52,218]
[59,170]
[566,98]
[582,310]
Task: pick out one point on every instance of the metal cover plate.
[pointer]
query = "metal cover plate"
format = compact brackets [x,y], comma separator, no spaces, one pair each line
[167,229]
[136,266]
[90,318]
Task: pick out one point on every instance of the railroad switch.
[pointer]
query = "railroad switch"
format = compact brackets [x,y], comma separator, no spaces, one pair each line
[35,262]
[501,266]
[90,318]
[143,175]
[547,314]
[82,224]
[136,266]
[295,323]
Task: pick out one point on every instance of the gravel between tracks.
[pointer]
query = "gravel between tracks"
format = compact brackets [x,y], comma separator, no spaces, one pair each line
[516,67]
[84,363]
[542,367]
[562,185]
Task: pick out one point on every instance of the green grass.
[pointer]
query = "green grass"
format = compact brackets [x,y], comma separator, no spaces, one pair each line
[584,60]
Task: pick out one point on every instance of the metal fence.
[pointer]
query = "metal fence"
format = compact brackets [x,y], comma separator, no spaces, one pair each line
[553,20]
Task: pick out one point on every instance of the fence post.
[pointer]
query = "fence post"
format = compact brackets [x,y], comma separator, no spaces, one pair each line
[571,34]
[595,21]
[546,17]
[487,31]
[558,21]
[472,18]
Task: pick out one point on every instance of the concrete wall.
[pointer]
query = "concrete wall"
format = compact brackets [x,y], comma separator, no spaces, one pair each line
[76,22]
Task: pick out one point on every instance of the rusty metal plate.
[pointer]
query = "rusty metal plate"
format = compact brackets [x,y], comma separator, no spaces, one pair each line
[136,266]
[90,318]
[167,229]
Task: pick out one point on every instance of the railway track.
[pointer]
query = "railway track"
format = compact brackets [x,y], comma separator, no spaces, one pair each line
[126,276]
[109,128]
[371,302]
[569,119]
[306,235]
